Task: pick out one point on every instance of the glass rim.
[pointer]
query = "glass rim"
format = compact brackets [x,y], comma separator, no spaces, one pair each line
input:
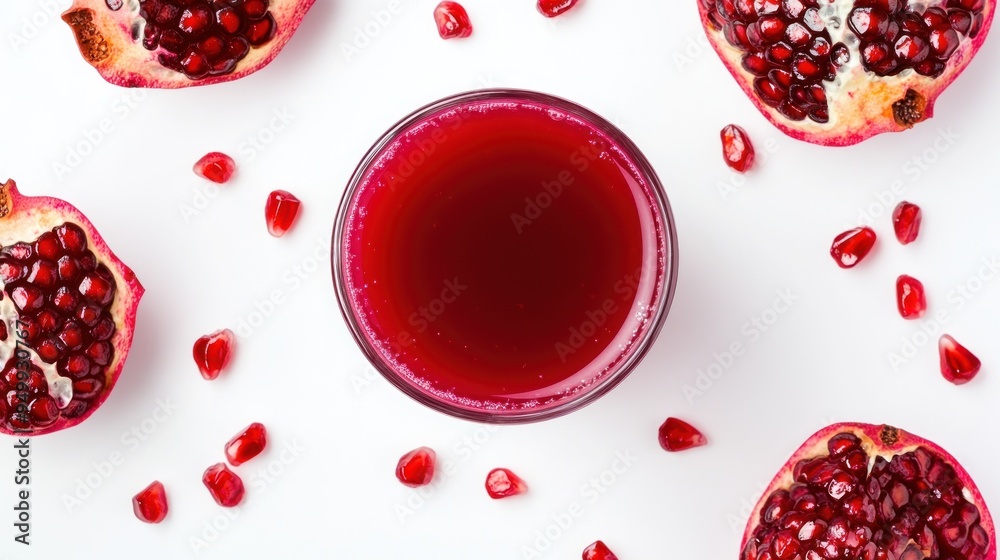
[666,275]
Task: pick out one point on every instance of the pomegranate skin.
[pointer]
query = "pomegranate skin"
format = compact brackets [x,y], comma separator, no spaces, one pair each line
[861,104]
[105,39]
[877,440]
[24,218]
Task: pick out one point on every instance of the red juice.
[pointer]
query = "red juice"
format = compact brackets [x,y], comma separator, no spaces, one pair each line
[504,254]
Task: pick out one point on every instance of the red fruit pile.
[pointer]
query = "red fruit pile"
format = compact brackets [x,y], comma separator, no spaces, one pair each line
[180,43]
[837,72]
[863,492]
[68,307]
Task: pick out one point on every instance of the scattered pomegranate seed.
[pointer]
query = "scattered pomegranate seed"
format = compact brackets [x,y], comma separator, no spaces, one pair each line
[247,445]
[598,551]
[850,247]
[212,352]
[150,505]
[553,8]
[225,486]
[416,468]
[216,167]
[678,435]
[958,365]
[910,297]
[501,483]
[737,148]
[906,220]
[281,211]
[452,20]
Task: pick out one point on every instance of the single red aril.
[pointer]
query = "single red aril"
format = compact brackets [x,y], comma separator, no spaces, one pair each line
[452,20]
[869,492]
[958,364]
[216,167]
[150,505]
[906,220]
[416,468]
[850,247]
[678,435]
[247,445]
[68,307]
[501,483]
[553,8]
[737,148]
[598,551]
[212,352]
[910,297]
[225,486]
[181,43]
[837,72]
[281,211]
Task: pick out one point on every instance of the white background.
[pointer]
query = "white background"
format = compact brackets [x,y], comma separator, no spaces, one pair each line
[641,64]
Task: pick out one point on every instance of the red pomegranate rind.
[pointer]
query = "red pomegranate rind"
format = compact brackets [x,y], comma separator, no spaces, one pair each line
[842,96]
[116,43]
[416,468]
[916,481]
[82,336]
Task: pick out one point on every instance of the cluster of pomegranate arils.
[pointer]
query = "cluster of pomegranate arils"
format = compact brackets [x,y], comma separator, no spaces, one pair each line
[225,486]
[200,38]
[453,20]
[958,364]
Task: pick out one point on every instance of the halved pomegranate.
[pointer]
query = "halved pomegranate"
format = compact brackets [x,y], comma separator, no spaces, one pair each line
[180,43]
[869,492]
[68,307]
[837,72]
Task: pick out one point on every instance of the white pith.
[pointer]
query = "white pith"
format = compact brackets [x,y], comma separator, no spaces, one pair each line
[60,388]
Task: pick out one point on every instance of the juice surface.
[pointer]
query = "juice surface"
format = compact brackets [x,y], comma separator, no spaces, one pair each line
[502,255]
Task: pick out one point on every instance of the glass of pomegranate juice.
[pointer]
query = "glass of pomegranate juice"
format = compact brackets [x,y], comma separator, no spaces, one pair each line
[504,256]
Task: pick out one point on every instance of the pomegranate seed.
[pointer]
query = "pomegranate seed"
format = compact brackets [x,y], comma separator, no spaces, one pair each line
[452,20]
[678,435]
[906,220]
[598,551]
[553,8]
[247,444]
[416,468]
[216,167]
[850,247]
[501,483]
[225,486]
[212,352]
[150,505]
[910,297]
[281,211]
[958,365]
[737,148]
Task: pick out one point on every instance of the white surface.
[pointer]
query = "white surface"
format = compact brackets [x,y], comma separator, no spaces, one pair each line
[824,359]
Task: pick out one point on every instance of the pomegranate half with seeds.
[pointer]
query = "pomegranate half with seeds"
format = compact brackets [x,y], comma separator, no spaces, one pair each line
[868,492]
[837,72]
[181,43]
[68,307]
